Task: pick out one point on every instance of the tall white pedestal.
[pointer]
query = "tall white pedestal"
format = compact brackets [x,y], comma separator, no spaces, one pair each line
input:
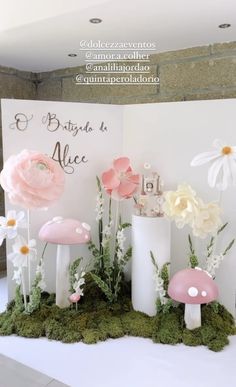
[148,234]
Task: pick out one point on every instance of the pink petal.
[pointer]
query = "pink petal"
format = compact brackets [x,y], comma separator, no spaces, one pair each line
[121,164]
[110,179]
[126,189]
[134,179]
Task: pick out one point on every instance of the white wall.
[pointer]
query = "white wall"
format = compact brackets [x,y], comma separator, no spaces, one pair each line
[169,135]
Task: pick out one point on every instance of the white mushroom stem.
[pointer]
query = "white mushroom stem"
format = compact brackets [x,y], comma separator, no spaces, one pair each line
[192,316]
[62,276]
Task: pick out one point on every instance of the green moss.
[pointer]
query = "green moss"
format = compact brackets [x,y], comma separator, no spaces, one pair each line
[96,320]
[137,324]
[169,327]
[192,338]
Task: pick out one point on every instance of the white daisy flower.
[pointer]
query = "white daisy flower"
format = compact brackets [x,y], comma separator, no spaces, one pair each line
[10,223]
[222,171]
[21,251]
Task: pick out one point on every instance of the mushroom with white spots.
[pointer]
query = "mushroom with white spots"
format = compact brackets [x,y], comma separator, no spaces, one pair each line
[192,287]
[64,232]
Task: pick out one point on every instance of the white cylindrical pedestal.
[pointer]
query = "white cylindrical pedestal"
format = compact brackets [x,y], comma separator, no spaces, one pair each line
[148,234]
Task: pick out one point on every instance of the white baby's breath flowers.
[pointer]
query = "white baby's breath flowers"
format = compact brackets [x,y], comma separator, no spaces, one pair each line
[99,206]
[120,237]
[106,234]
[160,286]
[181,205]
[17,276]
[222,160]
[213,262]
[79,282]
[9,224]
[207,220]
[21,251]
[40,271]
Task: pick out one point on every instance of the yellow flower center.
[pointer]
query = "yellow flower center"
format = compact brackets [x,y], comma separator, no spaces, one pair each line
[11,222]
[227,150]
[24,250]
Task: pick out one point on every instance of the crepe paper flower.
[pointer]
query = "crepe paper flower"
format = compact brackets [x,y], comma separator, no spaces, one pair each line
[222,171]
[120,182]
[10,224]
[32,179]
[181,205]
[21,251]
[207,220]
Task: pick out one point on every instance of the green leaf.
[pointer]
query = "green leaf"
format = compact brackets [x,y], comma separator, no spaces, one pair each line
[229,247]
[103,286]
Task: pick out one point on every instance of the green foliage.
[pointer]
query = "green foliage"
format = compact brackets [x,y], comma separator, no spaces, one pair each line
[73,269]
[164,308]
[19,304]
[97,320]
[103,286]
[193,259]
[165,275]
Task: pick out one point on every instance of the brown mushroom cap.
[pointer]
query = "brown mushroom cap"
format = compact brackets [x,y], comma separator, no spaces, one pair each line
[65,232]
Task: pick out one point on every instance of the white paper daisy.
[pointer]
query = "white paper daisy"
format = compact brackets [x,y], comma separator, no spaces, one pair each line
[222,171]
[21,251]
[10,223]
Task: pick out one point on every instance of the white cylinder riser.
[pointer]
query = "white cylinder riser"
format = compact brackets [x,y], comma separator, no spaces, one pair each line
[62,276]
[148,234]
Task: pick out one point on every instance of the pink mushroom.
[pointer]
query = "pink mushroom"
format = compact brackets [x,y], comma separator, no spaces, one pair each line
[64,232]
[192,287]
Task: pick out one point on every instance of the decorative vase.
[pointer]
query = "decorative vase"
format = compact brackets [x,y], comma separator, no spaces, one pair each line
[148,234]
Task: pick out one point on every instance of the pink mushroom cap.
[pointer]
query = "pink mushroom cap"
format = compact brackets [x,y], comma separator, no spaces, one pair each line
[193,286]
[75,297]
[65,232]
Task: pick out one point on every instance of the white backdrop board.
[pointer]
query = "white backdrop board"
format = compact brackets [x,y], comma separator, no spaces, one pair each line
[90,133]
[168,135]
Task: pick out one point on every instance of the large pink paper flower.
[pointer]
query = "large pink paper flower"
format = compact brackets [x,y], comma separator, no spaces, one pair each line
[120,182]
[32,179]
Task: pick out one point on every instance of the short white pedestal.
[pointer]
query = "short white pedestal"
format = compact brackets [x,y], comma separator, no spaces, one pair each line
[148,234]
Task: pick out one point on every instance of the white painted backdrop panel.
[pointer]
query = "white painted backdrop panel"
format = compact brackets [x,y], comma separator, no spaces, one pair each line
[169,135]
[98,146]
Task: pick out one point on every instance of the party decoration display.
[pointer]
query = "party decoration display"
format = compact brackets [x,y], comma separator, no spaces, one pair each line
[192,287]
[63,233]
[32,180]
[222,171]
[93,299]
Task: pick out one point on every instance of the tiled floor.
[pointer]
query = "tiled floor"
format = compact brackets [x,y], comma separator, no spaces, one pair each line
[14,374]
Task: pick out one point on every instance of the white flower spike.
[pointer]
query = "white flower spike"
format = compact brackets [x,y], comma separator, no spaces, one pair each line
[222,171]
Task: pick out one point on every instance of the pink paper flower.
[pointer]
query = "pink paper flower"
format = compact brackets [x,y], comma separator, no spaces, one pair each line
[120,182]
[32,179]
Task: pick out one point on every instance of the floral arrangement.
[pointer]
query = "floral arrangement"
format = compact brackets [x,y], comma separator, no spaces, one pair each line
[110,256]
[31,180]
[77,281]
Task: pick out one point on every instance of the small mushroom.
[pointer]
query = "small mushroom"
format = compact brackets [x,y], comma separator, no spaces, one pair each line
[64,232]
[74,299]
[192,287]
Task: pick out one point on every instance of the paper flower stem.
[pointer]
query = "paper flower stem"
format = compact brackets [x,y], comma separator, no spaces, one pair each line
[28,258]
[116,227]
[23,287]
